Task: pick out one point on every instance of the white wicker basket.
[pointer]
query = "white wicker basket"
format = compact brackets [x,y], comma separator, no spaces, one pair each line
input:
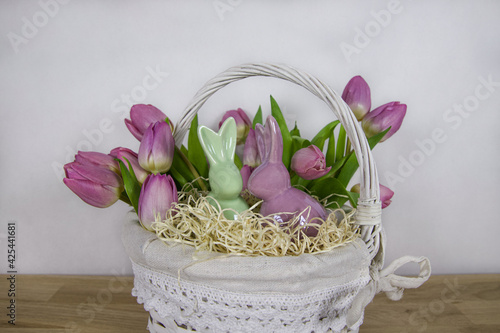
[309,293]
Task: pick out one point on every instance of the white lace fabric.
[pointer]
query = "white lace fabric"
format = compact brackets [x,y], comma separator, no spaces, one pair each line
[220,293]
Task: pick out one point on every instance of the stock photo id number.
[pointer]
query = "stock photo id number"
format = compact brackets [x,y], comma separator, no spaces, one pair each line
[12,271]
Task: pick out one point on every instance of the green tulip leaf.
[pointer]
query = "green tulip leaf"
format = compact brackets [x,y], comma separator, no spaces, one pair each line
[168,121]
[285,133]
[179,179]
[303,182]
[195,151]
[124,198]
[330,152]
[294,178]
[298,143]
[258,117]
[334,170]
[323,134]
[353,198]
[131,184]
[351,165]
[237,162]
[184,150]
[341,142]
[328,187]
[295,131]
[181,167]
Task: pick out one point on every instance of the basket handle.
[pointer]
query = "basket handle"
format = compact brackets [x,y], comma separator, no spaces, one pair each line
[369,206]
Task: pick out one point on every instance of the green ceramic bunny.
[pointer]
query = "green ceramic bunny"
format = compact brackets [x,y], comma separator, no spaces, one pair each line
[224,176]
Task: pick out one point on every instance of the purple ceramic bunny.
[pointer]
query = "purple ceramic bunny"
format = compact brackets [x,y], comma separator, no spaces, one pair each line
[271,182]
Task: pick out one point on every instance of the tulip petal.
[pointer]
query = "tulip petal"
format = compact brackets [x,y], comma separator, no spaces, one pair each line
[385,116]
[251,155]
[163,146]
[157,147]
[312,173]
[135,132]
[357,95]
[243,123]
[158,193]
[145,148]
[126,155]
[309,163]
[97,159]
[143,115]
[245,171]
[98,175]
[92,193]
[71,173]
[386,195]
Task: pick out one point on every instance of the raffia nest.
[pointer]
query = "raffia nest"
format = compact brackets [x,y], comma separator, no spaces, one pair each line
[194,221]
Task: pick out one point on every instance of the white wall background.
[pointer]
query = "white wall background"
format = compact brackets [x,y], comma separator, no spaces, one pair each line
[67,68]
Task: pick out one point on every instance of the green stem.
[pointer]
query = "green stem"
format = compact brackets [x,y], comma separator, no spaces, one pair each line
[192,169]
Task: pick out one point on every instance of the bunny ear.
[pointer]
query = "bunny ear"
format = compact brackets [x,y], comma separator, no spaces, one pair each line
[261,142]
[274,140]
[219,147]
[228,134]
[209,140]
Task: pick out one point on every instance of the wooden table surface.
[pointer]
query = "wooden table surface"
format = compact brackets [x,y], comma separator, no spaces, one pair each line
[55,303]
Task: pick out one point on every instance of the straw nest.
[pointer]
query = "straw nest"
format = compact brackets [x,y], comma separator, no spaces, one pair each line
[194,221]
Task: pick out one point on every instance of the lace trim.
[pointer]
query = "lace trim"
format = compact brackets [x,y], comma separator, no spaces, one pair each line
[201,308]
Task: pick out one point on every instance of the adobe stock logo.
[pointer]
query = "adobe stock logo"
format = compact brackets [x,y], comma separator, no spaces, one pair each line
[363,37]
[223,6]
[31,27]
[453,118]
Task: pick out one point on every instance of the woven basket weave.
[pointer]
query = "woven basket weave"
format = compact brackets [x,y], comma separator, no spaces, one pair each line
[308,293]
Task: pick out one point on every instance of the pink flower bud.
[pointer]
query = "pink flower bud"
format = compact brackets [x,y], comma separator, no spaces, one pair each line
[125,154]
[97,159]
[357,95]
[243,123]
[141,116]
[156,151]
[309,163]
[251,155]
[96,185]
[158,195]
[385,116]
[386,194]
[246,171]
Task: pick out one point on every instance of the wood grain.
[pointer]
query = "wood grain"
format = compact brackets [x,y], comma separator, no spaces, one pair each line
[91,304]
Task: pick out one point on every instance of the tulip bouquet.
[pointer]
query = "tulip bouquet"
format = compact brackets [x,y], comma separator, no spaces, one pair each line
[154,180]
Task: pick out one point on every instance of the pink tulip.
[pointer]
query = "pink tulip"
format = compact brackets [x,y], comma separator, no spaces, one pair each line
[141,116]
[125,154]
[309,163]
[243,123]
[385,116]
[386,194]
[97,159]
[246,171]
[357,95]
[96,185]
[251,155]
[158,195]
[156,151]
